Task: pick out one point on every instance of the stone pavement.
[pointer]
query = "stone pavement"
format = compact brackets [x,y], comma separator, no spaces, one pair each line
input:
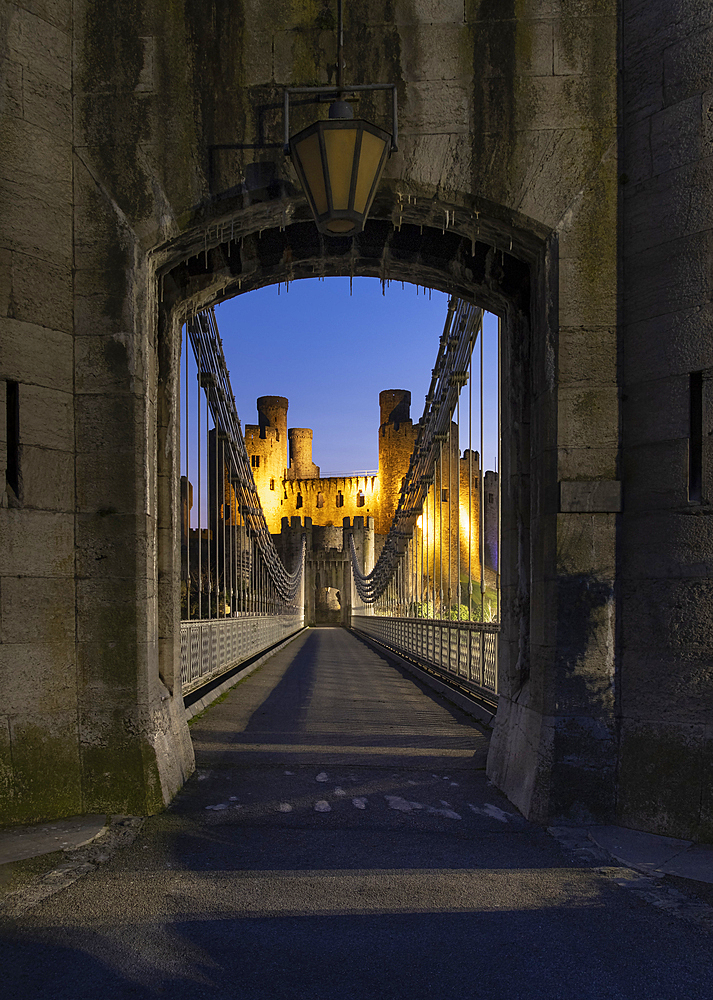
[340,840]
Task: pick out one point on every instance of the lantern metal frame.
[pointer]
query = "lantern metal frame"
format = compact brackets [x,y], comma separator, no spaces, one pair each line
[349,219]
[339,93]
[359,126]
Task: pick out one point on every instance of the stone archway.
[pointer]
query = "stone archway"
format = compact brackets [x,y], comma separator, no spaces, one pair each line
[519,283]
[158,146]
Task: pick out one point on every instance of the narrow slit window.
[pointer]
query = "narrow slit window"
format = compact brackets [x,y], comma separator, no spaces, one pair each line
[360,498]
[695,438]
[299,501]
[320,500]
[255,461]
[12,472]
[340,499]
[272,484]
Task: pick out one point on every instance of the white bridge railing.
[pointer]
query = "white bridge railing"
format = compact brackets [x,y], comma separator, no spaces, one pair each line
[465,650]
[210,648]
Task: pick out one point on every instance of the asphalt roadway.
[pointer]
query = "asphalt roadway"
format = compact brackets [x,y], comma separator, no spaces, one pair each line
[340,839]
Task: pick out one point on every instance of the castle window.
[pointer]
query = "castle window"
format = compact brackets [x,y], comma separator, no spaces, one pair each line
[695,438]
[255,461]
[12,470]
[360,498]
[444,496]
[340,499]
[320,500]
[272,484]
[298,504]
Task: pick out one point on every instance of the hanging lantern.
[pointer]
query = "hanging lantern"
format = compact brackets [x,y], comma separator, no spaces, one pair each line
[339,163]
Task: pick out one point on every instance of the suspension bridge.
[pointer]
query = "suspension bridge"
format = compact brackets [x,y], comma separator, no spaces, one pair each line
[425,589]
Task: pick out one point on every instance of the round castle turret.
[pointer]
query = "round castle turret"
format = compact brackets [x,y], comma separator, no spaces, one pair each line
[301,464]
[272,412]
[397,436]
[395,406]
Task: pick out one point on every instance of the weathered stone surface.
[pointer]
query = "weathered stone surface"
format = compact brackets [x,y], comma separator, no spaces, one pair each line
[107,364]
[656,475]
[109,545]
[603,496]
[588,416]
[673,614]
[112,610]
[688,65]
[37,222]
[97,417]
[109,483]
[681,677]
[36,543]
[41,46]
[117,762]
[55,12]
[661,777]
[40,292]
[680,195]
[657,411]
[587,463]
[682,344]
[106,668]
[47,418]
[35,355]
[40,675]
[672,276]
[42,792]
[47,479]
[587,355]
[660,545]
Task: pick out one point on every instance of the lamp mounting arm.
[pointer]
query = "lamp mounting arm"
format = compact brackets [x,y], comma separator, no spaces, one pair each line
[340,50]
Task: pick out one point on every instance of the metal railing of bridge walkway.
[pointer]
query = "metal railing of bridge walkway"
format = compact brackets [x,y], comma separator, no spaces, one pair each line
[237,597]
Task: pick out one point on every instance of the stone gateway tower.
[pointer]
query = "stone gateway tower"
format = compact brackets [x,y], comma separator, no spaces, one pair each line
[553,167]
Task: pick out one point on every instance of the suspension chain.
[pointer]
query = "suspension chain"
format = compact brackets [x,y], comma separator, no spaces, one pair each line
[449,375]
[215,380]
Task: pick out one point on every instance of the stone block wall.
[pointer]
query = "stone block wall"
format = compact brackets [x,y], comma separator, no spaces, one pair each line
[554,165]
[39,592]
[666,539]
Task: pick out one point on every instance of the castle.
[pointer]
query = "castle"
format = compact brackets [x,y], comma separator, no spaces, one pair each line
[289,482]
[296,499]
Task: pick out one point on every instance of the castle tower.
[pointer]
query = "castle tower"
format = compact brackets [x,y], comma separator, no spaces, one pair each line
[397,437]
[272,413]
[266,443]
[301,464]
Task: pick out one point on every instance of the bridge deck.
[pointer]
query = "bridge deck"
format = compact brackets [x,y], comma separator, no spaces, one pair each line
[340,840]
[328,699]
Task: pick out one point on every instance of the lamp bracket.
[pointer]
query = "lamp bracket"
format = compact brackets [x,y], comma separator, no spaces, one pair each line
[327,93]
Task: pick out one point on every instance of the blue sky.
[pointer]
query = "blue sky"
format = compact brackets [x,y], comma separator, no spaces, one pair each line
[331,353]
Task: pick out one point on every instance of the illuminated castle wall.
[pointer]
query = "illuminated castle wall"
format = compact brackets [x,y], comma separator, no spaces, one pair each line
[445,555]
[290,485]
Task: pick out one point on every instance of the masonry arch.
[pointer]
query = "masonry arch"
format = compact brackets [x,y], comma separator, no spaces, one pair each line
[507,275]
[155,168]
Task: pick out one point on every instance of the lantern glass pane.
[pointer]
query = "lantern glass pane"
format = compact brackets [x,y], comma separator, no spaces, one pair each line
[339,145]
[308,153]
[372,148]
